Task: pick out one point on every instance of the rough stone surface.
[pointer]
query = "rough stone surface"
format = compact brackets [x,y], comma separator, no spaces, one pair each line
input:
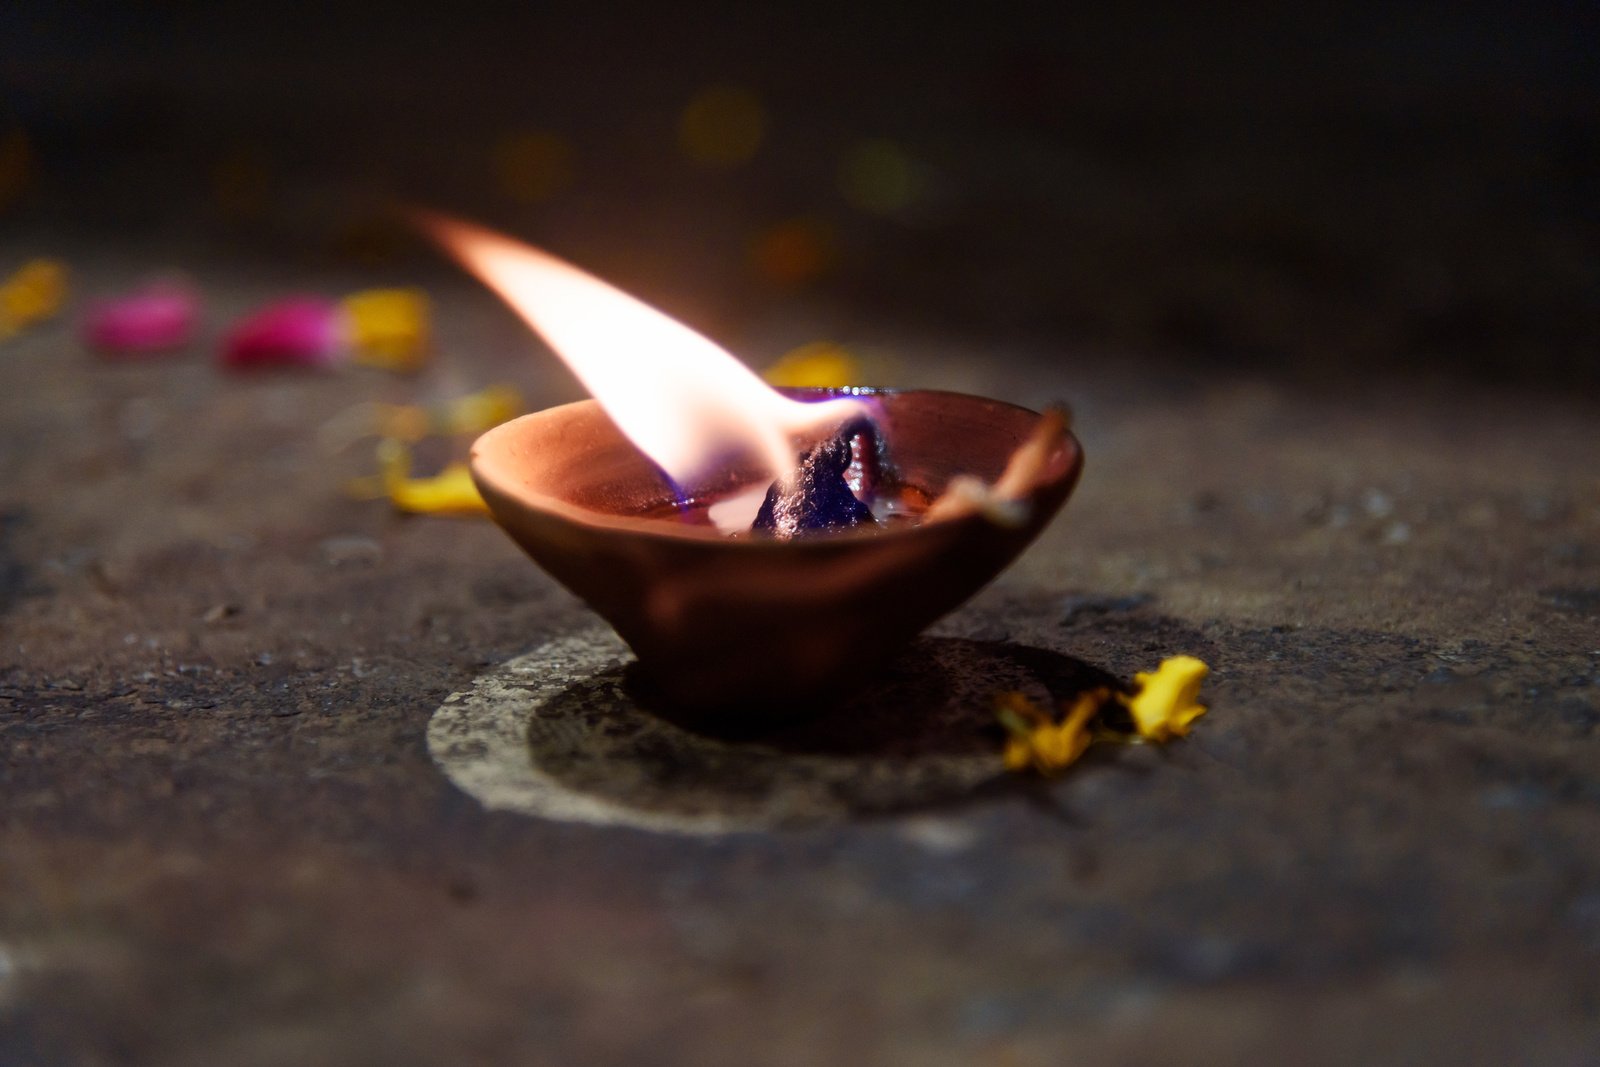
[223,839]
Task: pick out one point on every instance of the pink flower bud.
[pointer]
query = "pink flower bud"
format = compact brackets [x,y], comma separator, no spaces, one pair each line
[299,331]
[156,318]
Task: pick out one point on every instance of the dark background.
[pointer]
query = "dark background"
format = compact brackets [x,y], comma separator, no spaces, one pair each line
[1321,292]
[1373,188]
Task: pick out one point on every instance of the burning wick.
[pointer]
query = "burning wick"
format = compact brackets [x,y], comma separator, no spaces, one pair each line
[820,497]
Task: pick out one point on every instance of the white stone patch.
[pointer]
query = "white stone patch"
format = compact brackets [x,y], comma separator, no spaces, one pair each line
[480,740]
[556,734]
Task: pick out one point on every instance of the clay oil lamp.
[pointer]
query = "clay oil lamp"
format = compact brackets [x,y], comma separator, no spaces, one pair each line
[759,550]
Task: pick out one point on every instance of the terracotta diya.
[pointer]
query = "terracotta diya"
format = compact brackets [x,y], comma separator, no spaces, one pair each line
[624,511]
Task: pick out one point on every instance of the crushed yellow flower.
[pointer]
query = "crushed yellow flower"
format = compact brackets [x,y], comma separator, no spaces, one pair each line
[1049,747]
[388,328]
[32,295]
[1167,701]
[1165,705]
[819,365]
[450,492]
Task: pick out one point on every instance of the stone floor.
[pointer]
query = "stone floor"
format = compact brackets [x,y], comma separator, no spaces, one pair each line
[223,838]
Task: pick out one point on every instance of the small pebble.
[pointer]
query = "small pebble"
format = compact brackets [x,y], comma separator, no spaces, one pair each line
[1378,503]
[138,420]
[348,549]
[217,612]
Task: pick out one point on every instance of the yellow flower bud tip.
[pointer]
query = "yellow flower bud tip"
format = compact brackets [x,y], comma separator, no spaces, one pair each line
[31,295]
[1167,700]
[388,328]
[819,365]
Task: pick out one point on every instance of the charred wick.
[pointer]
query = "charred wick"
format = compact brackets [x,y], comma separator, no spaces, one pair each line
[821,498]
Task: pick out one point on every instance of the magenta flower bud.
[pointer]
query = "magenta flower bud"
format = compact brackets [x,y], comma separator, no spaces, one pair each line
[159,317]
[299,331]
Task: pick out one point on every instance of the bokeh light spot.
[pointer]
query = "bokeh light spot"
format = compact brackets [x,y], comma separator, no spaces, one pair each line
[878,176]
[818,365]
[532,167]
[722,126]
[794,252]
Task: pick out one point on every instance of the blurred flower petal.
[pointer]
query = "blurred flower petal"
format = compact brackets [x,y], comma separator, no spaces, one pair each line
[388,328]
[1168,700]
[32,295]
[450,492]
[300,331]
[1036,740]
[158,317]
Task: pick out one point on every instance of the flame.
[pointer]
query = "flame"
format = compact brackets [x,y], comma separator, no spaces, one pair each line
[681,399]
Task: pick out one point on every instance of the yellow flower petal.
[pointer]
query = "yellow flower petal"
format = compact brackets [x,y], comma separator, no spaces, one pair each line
[819,365]
[32,295]
[388,328]
[1167,702]
[450,492]
[1036,741]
